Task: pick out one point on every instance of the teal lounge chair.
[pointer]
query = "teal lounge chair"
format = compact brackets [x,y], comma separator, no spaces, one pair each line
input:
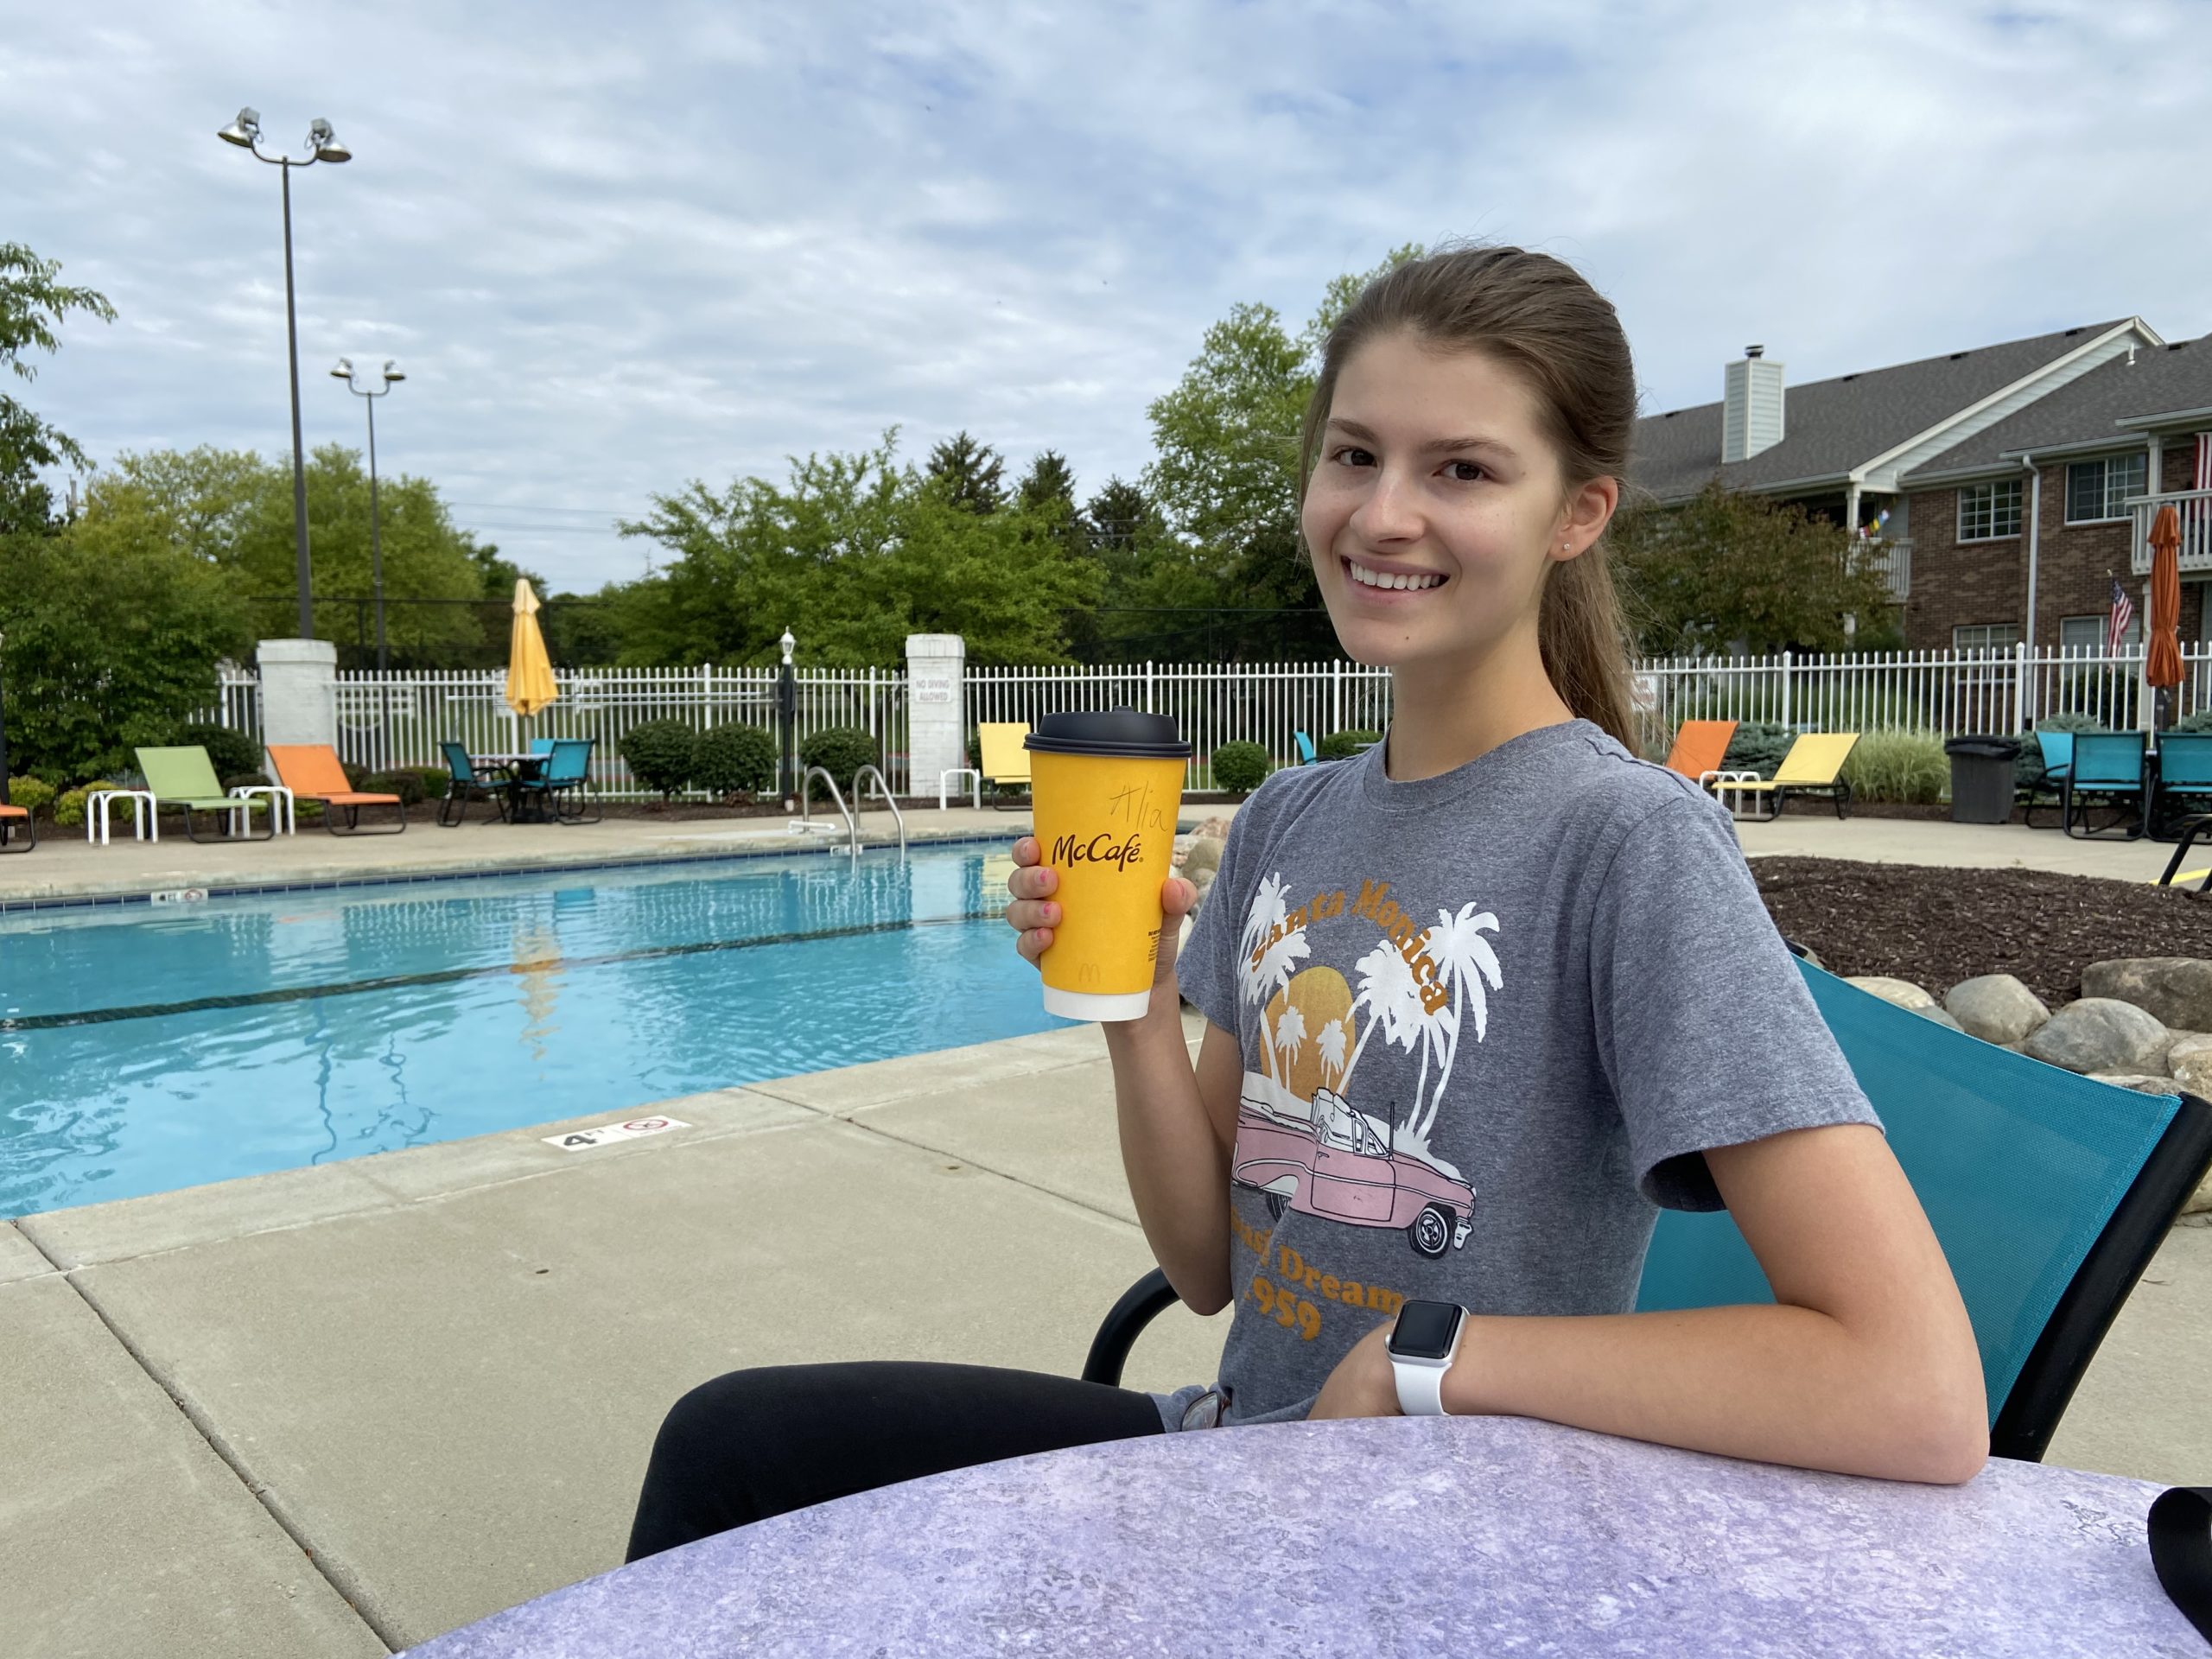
[563,786]
[1306,757]
[2108,767]
[2049,1193]
[2183,785]
[184,778]
[463,785]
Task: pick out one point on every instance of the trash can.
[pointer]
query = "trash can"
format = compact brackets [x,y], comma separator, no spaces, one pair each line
[1981,779]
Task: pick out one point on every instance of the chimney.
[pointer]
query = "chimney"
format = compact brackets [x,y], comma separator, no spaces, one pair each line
[1751,406]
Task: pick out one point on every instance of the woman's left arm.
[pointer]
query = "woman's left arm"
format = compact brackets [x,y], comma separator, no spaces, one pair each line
[1864,1364]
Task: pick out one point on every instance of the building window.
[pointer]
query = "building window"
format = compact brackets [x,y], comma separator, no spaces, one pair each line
[2085,636]
[1986,636]
[2096,490]
[1987,511]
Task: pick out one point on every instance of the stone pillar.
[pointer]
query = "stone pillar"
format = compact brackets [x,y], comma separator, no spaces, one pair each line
[937,708]
[299,692]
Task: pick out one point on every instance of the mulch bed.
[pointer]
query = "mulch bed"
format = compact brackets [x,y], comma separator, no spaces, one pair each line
[1938,925]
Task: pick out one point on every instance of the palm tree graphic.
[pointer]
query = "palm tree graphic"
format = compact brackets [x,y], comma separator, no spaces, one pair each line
[1290,1034]
[1331,1042]
[1463,961]
[1260,980]
[1391,999]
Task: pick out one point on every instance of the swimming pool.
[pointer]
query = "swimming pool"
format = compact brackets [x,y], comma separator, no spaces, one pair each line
[143,1049]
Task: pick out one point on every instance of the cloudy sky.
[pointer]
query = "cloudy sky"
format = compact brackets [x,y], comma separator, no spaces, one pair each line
[618,247]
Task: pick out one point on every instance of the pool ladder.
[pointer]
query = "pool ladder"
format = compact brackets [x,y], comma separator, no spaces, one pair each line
[852,823]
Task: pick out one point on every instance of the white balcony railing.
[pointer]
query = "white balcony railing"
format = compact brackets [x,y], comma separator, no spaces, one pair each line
[2194,508]
[1894,560]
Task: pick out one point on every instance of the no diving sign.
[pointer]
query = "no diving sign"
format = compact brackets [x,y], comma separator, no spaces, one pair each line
[577,1140]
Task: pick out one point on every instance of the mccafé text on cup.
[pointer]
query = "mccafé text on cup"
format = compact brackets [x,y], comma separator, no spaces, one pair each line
[1106,786]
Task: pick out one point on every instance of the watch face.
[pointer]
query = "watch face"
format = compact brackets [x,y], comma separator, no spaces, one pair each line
[1425,1330]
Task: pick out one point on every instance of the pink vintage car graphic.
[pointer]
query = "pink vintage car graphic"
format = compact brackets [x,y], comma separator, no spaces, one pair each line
[1345,1171]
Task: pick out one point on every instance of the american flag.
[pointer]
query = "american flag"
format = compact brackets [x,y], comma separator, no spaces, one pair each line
[2123,613]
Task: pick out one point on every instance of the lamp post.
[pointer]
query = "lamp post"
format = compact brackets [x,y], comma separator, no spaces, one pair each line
[787,715]
[322,146]
[390,377]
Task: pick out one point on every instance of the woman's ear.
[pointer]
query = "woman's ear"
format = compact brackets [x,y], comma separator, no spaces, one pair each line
[1589,509]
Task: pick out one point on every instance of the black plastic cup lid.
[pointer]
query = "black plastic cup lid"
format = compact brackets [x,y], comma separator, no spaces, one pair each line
[1123,731]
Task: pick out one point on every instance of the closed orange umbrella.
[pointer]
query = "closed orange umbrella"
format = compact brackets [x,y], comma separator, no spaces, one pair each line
[2162,661]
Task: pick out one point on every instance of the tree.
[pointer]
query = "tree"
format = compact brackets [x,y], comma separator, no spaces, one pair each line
[32,306]
[1049,480]
[108,645]
[969,471]
[1727,570]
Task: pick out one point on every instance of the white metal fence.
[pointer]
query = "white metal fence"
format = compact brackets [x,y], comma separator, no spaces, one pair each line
[401,718]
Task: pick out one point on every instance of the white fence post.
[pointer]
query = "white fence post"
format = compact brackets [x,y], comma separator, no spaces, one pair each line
[2021,703]
[1785,690]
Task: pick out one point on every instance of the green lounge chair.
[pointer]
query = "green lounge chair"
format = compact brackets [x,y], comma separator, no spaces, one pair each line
[185,779]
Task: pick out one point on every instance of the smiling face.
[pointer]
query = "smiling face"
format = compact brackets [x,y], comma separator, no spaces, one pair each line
[1437,505]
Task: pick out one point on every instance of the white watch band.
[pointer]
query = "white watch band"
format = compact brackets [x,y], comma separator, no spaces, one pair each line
[1420,1382]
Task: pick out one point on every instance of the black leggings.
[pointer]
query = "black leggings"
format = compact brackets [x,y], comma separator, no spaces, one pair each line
[753,1444]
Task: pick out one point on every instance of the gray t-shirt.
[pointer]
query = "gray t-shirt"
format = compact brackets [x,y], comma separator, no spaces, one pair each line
[1489,1020]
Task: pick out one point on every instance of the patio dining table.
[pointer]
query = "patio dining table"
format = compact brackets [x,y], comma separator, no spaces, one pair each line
[1393,1535]
[519,768]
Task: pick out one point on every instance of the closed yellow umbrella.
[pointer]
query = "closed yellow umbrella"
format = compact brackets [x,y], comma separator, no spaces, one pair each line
[529,671]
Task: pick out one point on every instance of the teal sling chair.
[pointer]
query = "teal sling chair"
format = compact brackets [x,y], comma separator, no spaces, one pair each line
[2049,1193]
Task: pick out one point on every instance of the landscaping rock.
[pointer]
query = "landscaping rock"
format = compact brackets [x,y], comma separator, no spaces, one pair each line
[1996,1008]
[1933,1011]
[2175,990]
[2188,1046]
[2099,1034]
[2139,1082]
[1902,992]
[2193,1072]
[1205,854]
[1214,829]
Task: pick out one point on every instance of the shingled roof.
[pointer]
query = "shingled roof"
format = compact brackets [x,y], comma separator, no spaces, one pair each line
[2175,379]
[1833,426]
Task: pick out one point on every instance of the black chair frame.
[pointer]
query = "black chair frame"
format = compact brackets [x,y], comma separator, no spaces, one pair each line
[2123,802]
[1838,791]
[193,833]
[2054,1366]
[354,819]
[10,825]
[461,790]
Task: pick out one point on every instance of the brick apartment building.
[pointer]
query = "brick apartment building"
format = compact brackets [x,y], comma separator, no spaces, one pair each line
[2019,480]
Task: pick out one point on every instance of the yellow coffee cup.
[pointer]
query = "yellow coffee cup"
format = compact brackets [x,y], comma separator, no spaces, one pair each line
[1106,786]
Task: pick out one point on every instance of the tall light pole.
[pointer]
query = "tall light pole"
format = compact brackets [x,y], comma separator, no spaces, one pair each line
[322,146]
[390,377]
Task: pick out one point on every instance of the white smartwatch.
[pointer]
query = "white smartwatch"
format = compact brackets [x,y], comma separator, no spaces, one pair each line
[1423,1343]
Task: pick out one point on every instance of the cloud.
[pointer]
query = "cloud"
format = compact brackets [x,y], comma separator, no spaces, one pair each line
[615,250]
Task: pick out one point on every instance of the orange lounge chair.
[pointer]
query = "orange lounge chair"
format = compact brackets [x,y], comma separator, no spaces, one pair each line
[312,772]
[1700,747]
[16,820]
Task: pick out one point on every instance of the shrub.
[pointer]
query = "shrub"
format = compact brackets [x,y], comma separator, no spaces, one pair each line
[2027,769]
[435,780]
[1240,768]
[839,750]
[1342,745]
[69,808]
[406,783]
[232,752]
[1897,765]
[732,760]
[1758,746]
[2199,721]
[32,794]
[661,754]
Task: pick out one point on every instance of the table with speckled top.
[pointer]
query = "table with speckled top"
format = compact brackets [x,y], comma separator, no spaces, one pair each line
[1393,1535]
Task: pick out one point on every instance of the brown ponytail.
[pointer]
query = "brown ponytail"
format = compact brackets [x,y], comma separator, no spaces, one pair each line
[1538,316]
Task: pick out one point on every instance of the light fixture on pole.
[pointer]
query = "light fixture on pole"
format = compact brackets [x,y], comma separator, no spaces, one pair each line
[322,146]
[389,377]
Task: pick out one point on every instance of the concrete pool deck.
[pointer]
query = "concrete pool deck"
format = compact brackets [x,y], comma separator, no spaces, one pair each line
[342,1409]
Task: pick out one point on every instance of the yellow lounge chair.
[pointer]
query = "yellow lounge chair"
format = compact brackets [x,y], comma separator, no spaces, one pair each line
[1812,766]
[1004,761]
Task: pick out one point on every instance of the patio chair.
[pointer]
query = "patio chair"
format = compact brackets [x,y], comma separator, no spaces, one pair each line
[1306,754]
[184,778]
[1004,761]
[2049,1193]
[465,785]
[16,820]
[1812,766]
[2111,766]
[564,784]
[313,772]
[542,744]
[1700,747]
[2058,763]
[2181,781]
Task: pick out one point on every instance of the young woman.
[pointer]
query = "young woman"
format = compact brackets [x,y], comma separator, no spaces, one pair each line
[1498,960]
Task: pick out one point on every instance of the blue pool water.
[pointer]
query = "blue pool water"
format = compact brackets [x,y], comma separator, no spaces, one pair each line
[145,1048]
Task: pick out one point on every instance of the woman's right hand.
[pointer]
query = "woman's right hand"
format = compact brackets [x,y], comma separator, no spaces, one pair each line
[1035,913]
